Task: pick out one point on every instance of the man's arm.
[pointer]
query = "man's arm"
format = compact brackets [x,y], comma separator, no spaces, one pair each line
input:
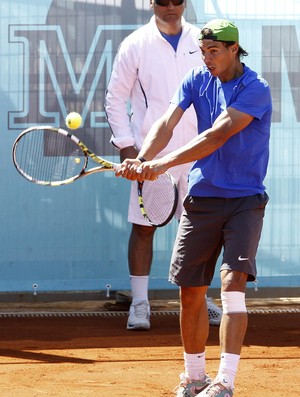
[156,140]
[161,132]
[229,123]
[117,95]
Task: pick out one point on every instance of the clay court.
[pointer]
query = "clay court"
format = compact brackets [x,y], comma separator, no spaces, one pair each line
[63,351]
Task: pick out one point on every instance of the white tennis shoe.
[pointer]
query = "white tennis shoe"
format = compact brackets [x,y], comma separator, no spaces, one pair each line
[216,389]
[190,388]
[139,316]
[214,312]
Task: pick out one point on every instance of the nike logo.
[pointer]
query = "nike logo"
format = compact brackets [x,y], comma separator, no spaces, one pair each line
[193,52]
[242,259]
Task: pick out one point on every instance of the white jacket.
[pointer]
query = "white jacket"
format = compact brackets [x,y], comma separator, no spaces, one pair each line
[146,72]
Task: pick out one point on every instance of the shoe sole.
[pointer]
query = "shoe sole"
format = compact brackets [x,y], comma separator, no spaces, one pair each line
[211,322]
[140,327]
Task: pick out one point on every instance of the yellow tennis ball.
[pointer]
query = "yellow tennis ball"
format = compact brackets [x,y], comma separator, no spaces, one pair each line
[77,160]
[73,120]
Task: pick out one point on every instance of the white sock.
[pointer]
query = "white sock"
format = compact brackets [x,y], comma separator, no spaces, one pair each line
[194,366]
[139,288]
[228,368]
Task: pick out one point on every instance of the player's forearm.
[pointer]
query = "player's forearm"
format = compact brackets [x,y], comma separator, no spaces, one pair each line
[154,143]
[159,136]
[201,146]
[228,124]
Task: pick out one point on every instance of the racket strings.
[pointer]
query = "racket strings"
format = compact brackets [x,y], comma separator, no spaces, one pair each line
[159,199]
[47,156]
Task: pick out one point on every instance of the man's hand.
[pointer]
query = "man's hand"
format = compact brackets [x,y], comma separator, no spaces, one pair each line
[129,168]
[134,169]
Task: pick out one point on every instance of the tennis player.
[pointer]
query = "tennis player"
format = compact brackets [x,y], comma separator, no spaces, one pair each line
[226,200]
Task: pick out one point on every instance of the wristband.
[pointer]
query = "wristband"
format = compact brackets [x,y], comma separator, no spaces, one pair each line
[142,160]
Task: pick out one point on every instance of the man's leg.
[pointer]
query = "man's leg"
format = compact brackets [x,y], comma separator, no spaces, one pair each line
[232,332]
[193,319]
[140,249]
[234,326]
[234,323]
[194,327]
[140,253]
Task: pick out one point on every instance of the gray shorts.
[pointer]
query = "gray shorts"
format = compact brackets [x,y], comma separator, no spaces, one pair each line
[210,224]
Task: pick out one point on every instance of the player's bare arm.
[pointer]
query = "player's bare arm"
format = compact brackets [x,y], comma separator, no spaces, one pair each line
[157,139]
[229,123]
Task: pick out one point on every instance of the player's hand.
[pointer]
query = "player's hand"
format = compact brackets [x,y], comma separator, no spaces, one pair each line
[128,169]
[134,169]
[150,170]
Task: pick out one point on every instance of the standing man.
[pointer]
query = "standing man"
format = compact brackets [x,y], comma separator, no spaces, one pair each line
[149,66]
[226,200]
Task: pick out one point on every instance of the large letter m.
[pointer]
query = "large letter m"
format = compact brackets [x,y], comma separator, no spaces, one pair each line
[56,81]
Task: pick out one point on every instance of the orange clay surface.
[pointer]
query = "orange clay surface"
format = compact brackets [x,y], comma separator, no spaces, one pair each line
[71,355]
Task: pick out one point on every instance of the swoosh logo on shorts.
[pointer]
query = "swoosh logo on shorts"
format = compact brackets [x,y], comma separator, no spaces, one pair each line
[240,258]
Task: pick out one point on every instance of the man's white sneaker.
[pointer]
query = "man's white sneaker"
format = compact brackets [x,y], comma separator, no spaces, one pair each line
[188,388]
[139,316]
[217,389]
[214,312]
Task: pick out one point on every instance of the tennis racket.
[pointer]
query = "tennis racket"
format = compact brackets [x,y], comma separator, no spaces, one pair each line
[158,199]
[51,156]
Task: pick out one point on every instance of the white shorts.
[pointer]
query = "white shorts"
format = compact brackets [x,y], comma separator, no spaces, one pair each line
[180,174]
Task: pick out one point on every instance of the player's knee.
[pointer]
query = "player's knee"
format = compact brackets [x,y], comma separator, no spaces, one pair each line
[143,231]
[233,302]
[233,281]
[193,297]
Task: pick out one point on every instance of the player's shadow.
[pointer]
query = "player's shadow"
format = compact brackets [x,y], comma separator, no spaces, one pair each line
[41,357]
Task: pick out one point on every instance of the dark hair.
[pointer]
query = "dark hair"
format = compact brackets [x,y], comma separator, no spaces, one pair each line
[241,52]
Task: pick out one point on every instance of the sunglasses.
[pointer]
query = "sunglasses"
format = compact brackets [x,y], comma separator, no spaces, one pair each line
[165,3]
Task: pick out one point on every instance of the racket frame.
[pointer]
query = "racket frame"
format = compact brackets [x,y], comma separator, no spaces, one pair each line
[86,152]
[143,209]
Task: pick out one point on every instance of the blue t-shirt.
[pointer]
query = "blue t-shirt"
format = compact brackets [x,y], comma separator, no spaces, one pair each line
[172,39]
[238,168]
